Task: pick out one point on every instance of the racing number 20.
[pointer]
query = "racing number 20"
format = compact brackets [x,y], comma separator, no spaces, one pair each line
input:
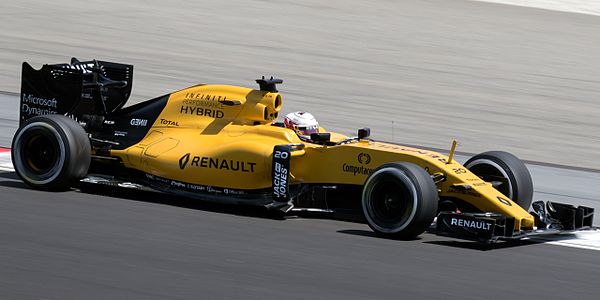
[281,155]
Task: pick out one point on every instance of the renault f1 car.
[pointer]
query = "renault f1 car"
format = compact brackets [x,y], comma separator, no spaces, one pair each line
[221,143]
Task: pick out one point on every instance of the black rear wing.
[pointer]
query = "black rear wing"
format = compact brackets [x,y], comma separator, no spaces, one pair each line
[76,89]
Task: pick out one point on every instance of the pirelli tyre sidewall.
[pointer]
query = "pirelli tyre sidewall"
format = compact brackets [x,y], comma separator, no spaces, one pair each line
[519,187]
[51,152]
[399,200]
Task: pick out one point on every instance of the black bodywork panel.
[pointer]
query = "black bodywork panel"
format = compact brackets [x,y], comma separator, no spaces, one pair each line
[129,125]
[74,90]
[93,93]
[550,218]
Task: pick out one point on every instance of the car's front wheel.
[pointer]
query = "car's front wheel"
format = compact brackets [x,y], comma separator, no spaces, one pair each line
[399,200]
[51,152]
[509,173]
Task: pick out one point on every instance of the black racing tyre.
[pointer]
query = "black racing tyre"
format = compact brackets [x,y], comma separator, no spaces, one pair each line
[399,200]
[51,152]
[515,177]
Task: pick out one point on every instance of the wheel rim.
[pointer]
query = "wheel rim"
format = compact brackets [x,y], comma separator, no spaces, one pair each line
[390,203]
[488,170]
[40,152]
[39,155]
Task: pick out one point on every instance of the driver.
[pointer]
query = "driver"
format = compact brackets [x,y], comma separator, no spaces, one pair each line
[303,123]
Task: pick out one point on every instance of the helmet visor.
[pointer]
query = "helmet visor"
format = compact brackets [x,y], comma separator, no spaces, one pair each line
[307,130]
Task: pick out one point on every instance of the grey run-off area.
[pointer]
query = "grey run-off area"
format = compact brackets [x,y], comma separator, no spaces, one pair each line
[494,77]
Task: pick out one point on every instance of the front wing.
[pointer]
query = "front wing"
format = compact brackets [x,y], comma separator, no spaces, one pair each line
[550,218]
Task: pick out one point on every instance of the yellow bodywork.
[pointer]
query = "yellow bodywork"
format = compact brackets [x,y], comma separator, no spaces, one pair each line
[222,136]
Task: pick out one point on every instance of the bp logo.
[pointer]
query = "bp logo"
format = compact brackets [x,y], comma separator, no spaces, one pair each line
[364,158]
[184,160]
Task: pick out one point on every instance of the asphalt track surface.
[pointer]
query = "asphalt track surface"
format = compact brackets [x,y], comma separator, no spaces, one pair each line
[80,245]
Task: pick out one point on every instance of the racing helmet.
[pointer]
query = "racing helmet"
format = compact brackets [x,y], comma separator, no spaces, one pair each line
[303,123]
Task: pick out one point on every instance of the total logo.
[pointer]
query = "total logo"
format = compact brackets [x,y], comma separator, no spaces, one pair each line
[168,122]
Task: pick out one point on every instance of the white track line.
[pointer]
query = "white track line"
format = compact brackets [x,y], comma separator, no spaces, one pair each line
[589,240]
[5,161]
[588,7]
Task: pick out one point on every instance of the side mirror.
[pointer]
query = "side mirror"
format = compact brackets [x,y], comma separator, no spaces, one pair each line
[364,133]
[320,137]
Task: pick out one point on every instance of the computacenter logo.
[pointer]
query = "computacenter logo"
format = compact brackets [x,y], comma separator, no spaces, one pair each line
[361,169]
[364,158]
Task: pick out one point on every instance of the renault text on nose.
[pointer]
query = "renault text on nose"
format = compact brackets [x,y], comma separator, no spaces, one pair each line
[471,224]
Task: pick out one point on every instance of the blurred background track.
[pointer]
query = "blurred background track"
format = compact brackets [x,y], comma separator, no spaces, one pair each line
[493,76]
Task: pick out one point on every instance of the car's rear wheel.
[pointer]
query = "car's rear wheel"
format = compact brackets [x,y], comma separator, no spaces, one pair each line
[399,200]
[509,173]
[51,152]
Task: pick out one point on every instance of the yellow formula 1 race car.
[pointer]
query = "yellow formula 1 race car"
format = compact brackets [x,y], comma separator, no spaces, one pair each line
[220,143]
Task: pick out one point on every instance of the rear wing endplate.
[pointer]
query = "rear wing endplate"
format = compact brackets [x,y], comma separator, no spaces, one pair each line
[65,89]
